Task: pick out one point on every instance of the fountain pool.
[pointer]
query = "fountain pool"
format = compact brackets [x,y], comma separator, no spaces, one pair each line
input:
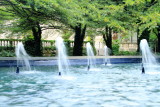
[118,85]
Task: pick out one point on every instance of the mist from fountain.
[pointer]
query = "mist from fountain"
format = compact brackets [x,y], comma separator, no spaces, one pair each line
[148,58]
[63,63]
[91,58]
[22,57]
[106,54]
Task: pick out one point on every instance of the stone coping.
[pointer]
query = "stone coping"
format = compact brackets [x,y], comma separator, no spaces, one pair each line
[69,57]
[74,60]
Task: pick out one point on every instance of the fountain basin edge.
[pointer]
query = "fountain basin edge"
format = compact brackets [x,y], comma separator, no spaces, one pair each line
[78,60]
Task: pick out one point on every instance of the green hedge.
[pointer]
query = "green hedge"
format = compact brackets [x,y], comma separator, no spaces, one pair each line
[126,53]
[7,52]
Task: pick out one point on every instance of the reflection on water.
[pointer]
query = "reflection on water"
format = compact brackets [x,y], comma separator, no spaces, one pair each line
[120,85]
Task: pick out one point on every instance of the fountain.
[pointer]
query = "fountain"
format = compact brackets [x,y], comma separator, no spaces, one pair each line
[110,86]
[91,58]
[148,58]
[22,57]
[63,63]
[106,54]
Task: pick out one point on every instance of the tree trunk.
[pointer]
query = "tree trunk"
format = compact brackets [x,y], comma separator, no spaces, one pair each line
[37,39]
[78,40]
[107,36]
[158,37]
[109,42]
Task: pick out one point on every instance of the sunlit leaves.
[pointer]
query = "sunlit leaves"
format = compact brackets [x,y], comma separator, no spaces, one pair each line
[115,8]
[106,19]
[135,2]
[129,2]
[124,15]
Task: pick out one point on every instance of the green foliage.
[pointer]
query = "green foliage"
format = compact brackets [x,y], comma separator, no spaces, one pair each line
[66,34]
[93,47]
[115,51]
[20,16]
[69,51]
[49,51]
[115,48]
[29,46]
[153,39]
[7,51]
[84,51]
[126,53]
[153,35]
[28,37]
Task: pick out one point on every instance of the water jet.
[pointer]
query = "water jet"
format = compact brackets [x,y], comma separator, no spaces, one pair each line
[148,58]
[22,57]
[63,63]
[106,54]
[90,56]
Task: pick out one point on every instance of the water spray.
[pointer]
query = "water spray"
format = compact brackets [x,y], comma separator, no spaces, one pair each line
[106,54]
[63,62]
[147,56]
[22,57]
[90,56]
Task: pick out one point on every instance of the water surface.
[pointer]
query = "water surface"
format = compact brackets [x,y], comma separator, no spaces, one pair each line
[119,85]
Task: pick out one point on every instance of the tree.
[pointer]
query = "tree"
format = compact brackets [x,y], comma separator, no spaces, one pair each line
[25,19]
[74,15]
[108,19]
[107,37]
[28,15]
[143,15]
[151,18]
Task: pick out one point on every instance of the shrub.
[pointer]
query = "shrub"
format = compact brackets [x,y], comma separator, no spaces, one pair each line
[126,53]
[115,49]
[7,53]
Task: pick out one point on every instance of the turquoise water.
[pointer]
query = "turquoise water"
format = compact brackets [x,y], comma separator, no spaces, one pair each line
[119,85]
